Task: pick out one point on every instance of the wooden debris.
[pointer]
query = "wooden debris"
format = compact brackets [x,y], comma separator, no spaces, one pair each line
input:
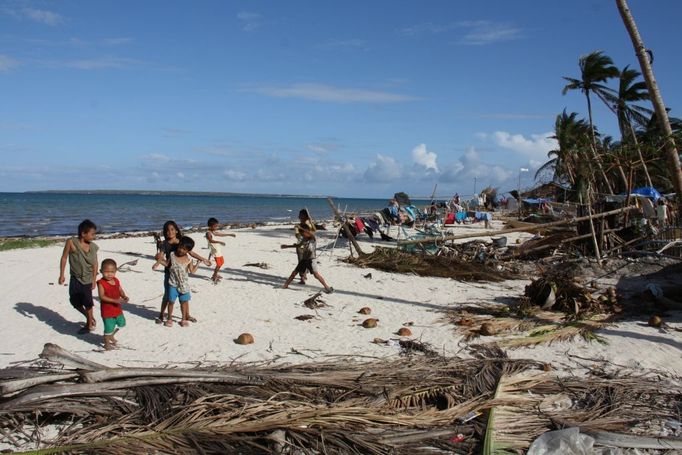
[260,265]
[408,405]
[314,302]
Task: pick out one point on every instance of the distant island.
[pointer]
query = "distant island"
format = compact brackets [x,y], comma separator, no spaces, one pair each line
[173,193]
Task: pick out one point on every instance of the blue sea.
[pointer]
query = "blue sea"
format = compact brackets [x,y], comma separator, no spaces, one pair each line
[48,214]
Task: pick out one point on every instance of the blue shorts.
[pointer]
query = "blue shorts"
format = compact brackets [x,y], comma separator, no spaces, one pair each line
[173,294]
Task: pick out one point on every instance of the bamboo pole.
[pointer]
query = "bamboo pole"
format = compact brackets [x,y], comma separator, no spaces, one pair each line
[349,234]
[538,227]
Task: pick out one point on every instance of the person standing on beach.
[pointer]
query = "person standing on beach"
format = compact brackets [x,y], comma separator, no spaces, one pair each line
[180,266]
[171,240]
[81,253]
[111,297]
[305,224]
[308,246]
[216,247]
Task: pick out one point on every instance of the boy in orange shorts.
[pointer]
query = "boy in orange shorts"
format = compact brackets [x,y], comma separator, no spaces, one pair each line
[216,246]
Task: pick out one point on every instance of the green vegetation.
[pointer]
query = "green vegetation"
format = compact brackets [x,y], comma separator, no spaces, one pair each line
[587,161]
[14,244]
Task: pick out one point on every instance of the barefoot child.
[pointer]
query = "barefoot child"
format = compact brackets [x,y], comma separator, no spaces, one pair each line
[171,235]
[81,253]
[180,266]
[216,246]
[305,224]
[111,296]
[308,246]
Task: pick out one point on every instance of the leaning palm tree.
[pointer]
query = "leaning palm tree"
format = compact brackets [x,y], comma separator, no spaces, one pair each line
[630,91]
[595,69]
[656,98]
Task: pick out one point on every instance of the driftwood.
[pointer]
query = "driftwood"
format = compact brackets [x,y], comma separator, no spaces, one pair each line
[54,353]
[344,226]
[123,373]
[16,385]
[537,227]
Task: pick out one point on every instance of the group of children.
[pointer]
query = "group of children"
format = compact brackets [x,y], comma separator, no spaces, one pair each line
[175,254]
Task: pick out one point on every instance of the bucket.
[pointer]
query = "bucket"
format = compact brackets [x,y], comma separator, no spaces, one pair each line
[499,242]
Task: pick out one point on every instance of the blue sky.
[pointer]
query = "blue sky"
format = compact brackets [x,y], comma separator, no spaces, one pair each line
[352,98]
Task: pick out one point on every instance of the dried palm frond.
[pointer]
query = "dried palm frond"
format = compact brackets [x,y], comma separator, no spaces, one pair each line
[411,404]
[393,260]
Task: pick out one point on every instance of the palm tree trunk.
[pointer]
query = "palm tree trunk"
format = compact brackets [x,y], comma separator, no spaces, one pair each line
[593,147]
[656,99]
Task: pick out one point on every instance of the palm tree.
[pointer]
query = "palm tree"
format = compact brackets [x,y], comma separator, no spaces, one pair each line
[656,98]
[595,69]
[630,91]
[572,136]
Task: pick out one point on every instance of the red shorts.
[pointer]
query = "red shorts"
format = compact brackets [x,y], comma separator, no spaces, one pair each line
[219,261]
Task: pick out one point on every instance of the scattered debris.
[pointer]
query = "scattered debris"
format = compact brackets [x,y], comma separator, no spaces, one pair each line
[424,403]
[260,265]
[305,317]
[393,260]
[314,302]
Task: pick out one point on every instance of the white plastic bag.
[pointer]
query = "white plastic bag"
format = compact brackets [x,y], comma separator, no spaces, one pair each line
[568,441]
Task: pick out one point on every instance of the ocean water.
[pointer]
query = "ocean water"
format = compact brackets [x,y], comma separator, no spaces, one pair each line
[46,214]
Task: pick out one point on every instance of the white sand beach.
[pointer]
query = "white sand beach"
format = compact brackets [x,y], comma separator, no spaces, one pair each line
[35,310]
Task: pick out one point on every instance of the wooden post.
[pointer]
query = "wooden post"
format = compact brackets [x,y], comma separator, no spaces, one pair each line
[349,234]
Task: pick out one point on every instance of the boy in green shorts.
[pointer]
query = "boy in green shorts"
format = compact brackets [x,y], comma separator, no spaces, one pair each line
[111,296]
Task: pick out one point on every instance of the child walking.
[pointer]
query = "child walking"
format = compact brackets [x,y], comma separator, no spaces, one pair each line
[307,246]
[216,246]
[180,266]
[111,296]
[81,252]
[305,224]
[171,240]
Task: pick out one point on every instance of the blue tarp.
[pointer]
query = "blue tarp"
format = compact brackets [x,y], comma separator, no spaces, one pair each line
[647,191]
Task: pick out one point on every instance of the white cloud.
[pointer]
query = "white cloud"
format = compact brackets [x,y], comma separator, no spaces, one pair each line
[470,165]
[534,148]
[427,27]
[327,93]
[424,158]
[322,148]
[237,176]
[477,33]
[180,175]
[43,16]
[7,63]
[488,32]
[384,169]
[250,21]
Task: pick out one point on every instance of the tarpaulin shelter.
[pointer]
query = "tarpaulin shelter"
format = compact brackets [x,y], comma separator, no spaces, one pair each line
[647,191]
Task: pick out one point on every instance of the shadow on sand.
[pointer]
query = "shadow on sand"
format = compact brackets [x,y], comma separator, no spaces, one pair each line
[57,322]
